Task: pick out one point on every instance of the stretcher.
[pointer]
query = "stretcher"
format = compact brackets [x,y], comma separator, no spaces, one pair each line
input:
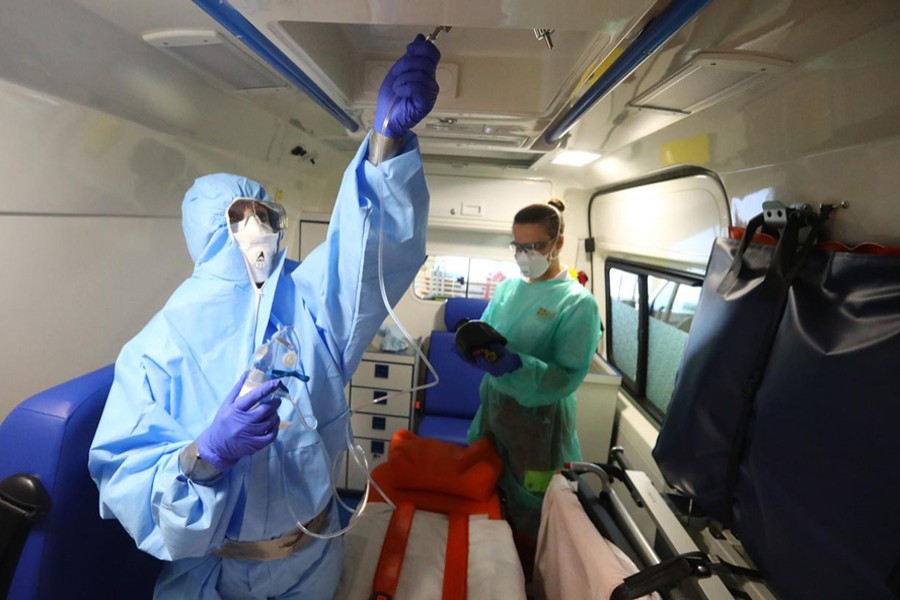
[606,533]
[493,569]
[434,529]
[677,555]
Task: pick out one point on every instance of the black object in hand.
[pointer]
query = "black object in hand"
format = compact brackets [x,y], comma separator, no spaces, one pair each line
[477,338]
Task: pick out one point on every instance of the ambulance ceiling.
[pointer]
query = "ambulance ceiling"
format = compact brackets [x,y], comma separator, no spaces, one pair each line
[508,66]
[503,89]
[707,86]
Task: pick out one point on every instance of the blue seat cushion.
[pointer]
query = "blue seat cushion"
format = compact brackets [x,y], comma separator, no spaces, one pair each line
[456,395]
[446,429]
[456,310]
[70,552]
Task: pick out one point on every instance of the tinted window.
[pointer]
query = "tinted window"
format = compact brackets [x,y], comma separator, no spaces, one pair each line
[650,311]
[624,304]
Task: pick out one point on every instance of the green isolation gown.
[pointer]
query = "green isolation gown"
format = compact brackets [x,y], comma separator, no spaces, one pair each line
[554,326]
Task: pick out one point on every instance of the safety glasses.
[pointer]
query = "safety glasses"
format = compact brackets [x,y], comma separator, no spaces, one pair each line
[531,246]
[269,213]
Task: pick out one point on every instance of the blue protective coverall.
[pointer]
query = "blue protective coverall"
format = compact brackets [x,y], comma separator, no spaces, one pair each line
[172,377]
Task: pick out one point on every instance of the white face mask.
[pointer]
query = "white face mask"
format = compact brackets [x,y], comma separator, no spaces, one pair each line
[259,245]
[532,263]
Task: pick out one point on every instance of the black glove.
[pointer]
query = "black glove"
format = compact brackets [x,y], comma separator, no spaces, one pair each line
[477,338]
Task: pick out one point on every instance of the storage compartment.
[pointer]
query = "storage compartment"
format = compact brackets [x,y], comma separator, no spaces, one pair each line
[376,453]
[363,400]
[596,409]
[388,375]
[383,375]
[479,203]
[377,426]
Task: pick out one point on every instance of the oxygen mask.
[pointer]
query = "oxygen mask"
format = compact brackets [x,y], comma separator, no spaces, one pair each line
[279,359]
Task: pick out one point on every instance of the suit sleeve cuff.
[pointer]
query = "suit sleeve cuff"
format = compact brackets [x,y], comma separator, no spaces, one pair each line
[195,468]
[382,148]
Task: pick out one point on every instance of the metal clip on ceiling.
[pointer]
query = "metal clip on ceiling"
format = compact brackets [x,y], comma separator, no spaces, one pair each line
[228,17]
[655,34]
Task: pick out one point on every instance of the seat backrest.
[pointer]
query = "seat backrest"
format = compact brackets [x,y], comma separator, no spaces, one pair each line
[70,552]
[457,393]
[457,310]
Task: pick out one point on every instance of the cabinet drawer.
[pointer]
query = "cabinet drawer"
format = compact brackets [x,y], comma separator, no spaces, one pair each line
[376,453]
[383,375]
[377,426]
[361,399]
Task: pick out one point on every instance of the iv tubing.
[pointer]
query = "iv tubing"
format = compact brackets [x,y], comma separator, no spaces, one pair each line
[357,450]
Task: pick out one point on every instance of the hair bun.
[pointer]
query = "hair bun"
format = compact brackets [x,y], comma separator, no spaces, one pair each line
[558,204]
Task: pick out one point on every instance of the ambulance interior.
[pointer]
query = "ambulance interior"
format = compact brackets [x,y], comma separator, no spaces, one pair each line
[662,125]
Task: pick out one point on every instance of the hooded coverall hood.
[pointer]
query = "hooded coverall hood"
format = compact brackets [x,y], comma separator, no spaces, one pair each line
[205,224]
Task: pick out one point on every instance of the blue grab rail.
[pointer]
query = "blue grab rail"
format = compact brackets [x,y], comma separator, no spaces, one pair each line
[232,20]
[655,34]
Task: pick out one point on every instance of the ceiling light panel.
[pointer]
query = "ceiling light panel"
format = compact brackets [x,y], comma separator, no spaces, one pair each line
[213,55]
[574,158]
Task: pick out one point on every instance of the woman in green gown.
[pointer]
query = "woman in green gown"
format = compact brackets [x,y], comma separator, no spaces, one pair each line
[553,327]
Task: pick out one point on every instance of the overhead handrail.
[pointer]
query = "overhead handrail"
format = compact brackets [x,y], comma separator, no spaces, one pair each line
[228,17]
[657,32]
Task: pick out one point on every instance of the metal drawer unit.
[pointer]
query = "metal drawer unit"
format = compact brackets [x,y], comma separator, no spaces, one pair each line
[378,409]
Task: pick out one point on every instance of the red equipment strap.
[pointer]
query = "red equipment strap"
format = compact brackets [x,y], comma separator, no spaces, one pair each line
[390,563]
[387,575]
[456,563]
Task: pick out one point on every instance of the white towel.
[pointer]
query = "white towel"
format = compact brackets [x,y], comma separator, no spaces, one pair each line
[494,569]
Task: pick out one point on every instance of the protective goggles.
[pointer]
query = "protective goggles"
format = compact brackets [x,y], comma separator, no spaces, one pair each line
[269,213]
[531,246]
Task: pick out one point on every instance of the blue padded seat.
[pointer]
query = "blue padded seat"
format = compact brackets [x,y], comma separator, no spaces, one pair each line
[449,407]
[70,552]
[457,310]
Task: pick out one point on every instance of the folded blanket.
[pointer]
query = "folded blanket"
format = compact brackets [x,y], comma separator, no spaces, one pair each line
[434,466]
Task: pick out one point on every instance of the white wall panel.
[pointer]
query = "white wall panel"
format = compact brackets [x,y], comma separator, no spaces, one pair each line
[675,220]
[75,289]
[63,49]
[90,232]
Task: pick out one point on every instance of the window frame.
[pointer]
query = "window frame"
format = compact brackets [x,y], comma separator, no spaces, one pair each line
[637,388]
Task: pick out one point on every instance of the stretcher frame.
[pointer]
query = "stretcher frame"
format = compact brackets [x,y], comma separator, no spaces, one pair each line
[715,571]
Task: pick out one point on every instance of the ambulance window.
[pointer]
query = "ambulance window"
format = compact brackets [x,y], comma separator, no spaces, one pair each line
[624,303]
[649,314]
[443,277]
[671,311]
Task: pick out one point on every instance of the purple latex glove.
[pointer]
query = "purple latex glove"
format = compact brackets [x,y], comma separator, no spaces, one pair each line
[244,425]
[506,361]
[409,89]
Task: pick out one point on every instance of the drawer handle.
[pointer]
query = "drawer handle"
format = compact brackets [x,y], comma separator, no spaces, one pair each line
[377,447]
[379,396]
[381,371]
[379,423]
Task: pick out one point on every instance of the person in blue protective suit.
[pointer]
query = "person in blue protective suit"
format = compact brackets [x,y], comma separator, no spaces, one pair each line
[220,475]
[552,326]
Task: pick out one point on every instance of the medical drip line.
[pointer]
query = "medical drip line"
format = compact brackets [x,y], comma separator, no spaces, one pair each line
[356,451]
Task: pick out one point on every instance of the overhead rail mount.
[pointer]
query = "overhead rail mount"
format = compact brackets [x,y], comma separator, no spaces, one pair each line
[228,17]
[655,34]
